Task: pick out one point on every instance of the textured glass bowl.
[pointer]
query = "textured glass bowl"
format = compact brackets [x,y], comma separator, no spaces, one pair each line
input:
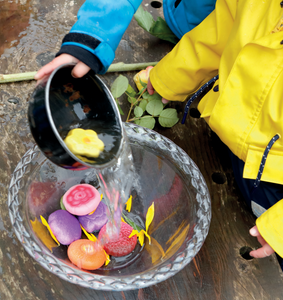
[165,175]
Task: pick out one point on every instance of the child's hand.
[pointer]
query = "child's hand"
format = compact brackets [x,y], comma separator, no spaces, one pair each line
[78,71]
[150,90]
[265,250]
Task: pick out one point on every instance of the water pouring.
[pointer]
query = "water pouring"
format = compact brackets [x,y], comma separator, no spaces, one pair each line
[65,112]
[61,103]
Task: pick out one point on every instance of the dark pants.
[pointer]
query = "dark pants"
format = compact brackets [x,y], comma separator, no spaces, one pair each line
[265,195]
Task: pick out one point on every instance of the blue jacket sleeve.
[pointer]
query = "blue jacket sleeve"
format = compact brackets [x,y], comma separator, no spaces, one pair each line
[100,26]
[182,16]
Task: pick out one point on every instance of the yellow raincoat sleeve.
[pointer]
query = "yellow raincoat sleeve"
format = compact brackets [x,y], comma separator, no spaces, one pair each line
[270,225]
[195,59]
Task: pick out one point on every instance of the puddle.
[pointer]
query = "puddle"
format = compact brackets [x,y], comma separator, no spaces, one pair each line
[14,19]
[31,28]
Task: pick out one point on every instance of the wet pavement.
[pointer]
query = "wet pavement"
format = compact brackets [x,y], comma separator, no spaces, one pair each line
[31,32]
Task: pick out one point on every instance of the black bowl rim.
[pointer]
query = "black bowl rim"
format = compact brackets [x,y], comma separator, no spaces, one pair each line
[54,129]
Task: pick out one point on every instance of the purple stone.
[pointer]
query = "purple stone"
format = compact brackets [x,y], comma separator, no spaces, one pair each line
[95,221]
[65,227]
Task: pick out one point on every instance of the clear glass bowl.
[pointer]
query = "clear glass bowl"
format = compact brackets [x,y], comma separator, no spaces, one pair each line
[165,175]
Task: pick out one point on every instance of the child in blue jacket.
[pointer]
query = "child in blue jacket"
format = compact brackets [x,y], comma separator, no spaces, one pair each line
[95,36]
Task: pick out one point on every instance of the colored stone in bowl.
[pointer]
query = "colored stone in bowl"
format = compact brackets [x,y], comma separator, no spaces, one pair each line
[81,199]
[64,226]
[95,221]
[121,246]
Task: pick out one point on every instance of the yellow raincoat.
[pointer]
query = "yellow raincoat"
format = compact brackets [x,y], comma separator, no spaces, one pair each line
[242,41]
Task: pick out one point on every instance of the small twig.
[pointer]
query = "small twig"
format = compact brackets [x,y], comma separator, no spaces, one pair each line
[134,119]
[134,103]
[118,67]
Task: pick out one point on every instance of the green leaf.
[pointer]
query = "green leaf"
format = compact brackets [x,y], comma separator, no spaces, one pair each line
[142,90]
[158,28]
[130,91]
[119,86]
[138,111]
[168,117]
[154,96]
[154,107]
[62,204]
[145,95]
[132,223]
[146,121]
[144,18]
[143,84]
[119,108]
[161,30]
[143,104]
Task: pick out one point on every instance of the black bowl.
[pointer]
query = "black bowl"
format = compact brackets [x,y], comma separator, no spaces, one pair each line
[60,103]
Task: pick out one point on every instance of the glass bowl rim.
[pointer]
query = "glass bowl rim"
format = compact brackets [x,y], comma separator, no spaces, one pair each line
[157,273]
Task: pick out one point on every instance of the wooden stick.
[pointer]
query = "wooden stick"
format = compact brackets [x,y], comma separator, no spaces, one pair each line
[16,77]
[121,67]
[118,67]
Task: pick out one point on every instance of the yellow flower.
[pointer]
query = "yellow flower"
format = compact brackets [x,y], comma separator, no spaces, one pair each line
[142,76]
[129,204]
[84,142]
[148,220]
[44,222]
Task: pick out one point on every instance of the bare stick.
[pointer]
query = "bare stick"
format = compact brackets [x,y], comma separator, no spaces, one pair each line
[118,67]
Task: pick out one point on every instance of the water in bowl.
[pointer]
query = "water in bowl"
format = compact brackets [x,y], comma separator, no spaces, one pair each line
[155,178]
[166,176]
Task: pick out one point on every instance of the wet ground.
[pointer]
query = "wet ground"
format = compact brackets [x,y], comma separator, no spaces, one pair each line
[31,32]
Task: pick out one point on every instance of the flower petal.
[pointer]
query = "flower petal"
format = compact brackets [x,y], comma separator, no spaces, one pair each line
[129,204]
[149,216]
[44,222]
[142,77]
[90,236]
[134,232]
[148,236]
[141,237]
[42,232]
[107,261]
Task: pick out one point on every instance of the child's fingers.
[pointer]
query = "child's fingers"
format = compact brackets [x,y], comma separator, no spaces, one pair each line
[80,70]
[254,232]
[264,251]
[56,62]
[150,88]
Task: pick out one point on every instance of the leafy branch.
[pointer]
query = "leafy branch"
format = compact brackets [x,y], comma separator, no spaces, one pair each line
[145,107]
